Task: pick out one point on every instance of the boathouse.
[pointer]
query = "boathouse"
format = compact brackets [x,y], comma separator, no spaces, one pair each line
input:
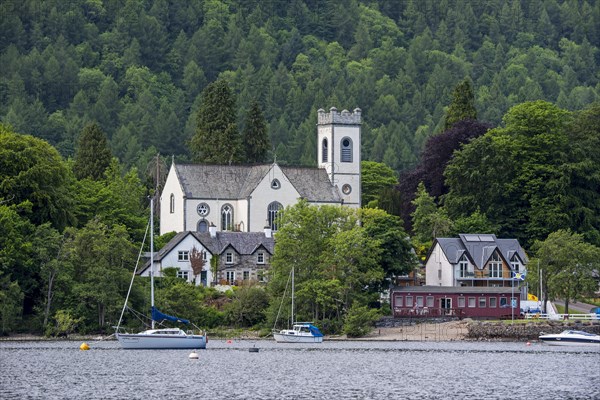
[449,301]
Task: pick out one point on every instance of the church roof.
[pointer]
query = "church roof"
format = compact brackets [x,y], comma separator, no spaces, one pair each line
[239,181]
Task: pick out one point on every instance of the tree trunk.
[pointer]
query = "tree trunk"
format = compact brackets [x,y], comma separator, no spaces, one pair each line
[49,296]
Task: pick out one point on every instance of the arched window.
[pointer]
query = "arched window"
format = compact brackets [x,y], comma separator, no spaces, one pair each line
[324,150]
[272,212]
[346,150]
[226,217]
[202,226]
[172,203]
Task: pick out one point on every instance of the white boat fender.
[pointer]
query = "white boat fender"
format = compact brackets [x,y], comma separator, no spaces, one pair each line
[193,355]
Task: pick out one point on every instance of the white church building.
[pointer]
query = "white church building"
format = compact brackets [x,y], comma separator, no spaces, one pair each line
[227,214]
[246,198]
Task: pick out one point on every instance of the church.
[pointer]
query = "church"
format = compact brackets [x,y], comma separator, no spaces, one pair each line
[247,198]
[225,215]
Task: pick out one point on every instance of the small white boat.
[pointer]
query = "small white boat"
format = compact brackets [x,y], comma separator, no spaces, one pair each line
[571,338]
[301,332]
[169,338]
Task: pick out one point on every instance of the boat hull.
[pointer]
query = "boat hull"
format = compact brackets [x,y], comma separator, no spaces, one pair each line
[561,341]
[571,338]
[142,341]
[290,338]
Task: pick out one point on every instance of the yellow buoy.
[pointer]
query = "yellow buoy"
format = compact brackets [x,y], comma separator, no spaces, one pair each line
[84,346]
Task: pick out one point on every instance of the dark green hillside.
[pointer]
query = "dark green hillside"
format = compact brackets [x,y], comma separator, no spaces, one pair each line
[137,67]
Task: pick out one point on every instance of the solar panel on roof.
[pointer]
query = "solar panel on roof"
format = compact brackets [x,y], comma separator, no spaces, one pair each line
[472,238]
[486,238]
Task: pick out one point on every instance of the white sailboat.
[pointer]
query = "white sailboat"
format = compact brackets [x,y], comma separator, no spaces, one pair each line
[301,332]
[165,338]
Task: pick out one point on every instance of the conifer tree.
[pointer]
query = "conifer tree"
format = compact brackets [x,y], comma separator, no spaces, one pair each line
[463,104]
[217,139]
[255,138]
[93,154]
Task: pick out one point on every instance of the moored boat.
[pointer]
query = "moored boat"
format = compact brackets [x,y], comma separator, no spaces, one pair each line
[570,338]
[301,332]
[163,338]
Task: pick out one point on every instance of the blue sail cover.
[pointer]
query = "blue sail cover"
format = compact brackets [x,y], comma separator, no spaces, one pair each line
[315,331]
[158,316]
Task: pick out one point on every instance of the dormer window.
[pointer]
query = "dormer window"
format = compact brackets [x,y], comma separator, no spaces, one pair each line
[260,258]
[275,184]
[346,150]
[324,150]
[495,266]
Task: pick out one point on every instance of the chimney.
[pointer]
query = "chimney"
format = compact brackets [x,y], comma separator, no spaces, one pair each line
[212,229]
[268,232]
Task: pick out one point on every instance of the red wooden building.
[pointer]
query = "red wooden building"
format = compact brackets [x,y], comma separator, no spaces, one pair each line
[451,301]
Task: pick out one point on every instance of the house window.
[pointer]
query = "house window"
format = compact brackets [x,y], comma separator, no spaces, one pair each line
[461,302]
[183,256]
[398,301]
[515,265]
[419,301]
[430,301]
[272,212]
[172,203]
[203,209]
[471,302]
[228,258]
[275,184]
[503,302]
[495,266]
[202,226]
[493,302]
[260,275]
[409,301]
[226,217]
[324,150]
[463,267]
[346,150]
[260,258]
[204,256]
[246,275]
[482,302]
[230,276]
[183,275]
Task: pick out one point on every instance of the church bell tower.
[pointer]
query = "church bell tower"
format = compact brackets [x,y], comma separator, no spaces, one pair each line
[339,151]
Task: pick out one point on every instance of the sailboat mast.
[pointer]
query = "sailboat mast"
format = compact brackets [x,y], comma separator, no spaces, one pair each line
[293,296]
[152,255]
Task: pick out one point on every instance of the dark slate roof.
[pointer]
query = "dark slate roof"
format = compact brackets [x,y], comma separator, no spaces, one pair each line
[224,182]
[479,248]
[245,243]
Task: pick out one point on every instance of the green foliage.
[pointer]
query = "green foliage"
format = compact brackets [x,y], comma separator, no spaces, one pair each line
[64,324]
[375,177]
[255,138]
[360,320]
[217,140]
[568,264]
[34,177]
[428,221]
[93,154]
[11,305]
[462,106]
[247,307]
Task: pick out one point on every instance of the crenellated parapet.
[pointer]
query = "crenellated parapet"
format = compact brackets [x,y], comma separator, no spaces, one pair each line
[344,117]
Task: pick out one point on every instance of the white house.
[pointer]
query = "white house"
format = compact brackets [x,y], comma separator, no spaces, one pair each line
[247,198]
[241,256]
[475,260]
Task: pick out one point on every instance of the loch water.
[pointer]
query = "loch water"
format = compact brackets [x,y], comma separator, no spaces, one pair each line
[331,370]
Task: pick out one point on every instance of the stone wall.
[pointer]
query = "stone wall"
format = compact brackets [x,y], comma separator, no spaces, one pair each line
[525,331]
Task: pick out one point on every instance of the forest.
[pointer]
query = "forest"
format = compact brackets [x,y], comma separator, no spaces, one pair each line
[477,116]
